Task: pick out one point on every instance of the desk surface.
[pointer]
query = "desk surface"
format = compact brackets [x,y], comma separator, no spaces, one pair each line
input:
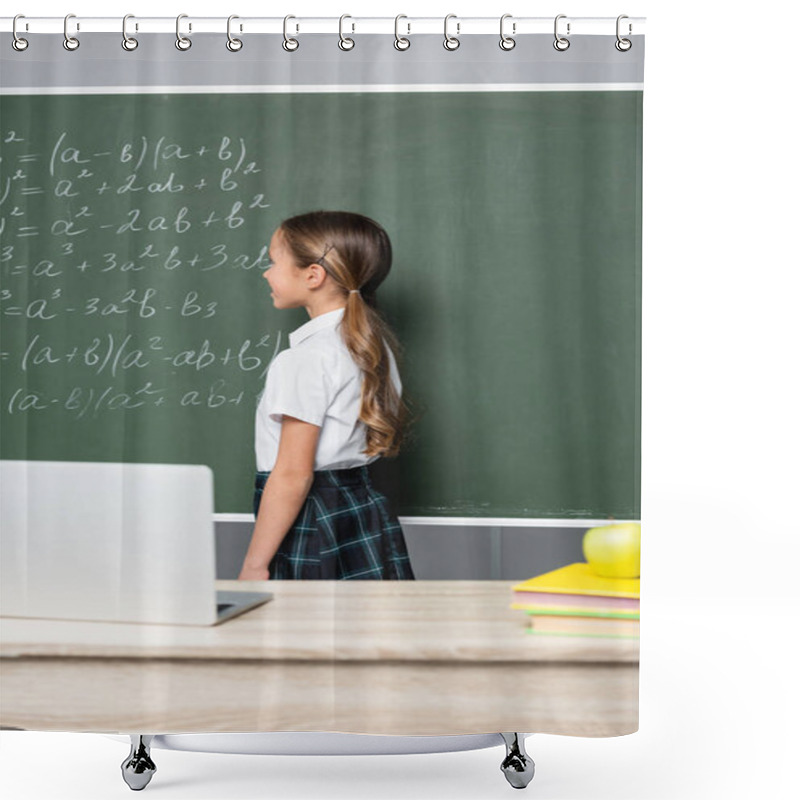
[340,620]
[382,657]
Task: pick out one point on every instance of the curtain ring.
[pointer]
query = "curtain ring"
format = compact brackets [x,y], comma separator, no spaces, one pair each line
[451,42]
[400,42]
[70,42]
[623,45]
[182,42]
[289,44]
[345,42]
[561,43]
[18,43]
[507,42]
[233,44]
[128,42]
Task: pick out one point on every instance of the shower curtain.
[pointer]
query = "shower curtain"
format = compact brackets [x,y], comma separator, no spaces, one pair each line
[139,188]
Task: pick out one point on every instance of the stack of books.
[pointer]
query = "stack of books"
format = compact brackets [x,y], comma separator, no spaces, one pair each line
[574,601]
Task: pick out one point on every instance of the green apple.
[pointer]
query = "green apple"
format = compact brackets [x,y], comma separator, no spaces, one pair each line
[613,551]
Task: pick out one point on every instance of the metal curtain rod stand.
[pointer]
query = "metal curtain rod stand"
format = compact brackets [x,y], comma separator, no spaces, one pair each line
[138,768]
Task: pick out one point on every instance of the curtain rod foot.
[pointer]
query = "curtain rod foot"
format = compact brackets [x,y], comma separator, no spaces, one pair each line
[517,766]
[138,768]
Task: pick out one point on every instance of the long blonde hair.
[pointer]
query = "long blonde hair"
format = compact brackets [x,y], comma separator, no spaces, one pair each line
[356,253]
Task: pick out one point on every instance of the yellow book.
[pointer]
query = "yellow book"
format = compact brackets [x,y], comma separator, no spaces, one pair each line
[579,579]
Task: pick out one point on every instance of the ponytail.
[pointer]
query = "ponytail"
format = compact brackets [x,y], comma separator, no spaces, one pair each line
[382,408]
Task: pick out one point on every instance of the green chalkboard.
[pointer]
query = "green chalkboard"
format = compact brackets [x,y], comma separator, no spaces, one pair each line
[136,325]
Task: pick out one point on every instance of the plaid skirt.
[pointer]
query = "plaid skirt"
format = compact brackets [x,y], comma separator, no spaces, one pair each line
[344,530]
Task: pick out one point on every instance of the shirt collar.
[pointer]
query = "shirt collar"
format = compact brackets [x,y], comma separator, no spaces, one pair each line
[320,322]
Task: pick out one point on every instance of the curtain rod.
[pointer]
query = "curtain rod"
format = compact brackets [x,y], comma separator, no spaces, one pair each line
[457,26]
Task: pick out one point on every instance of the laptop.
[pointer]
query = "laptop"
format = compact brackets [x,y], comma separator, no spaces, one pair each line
[111,542]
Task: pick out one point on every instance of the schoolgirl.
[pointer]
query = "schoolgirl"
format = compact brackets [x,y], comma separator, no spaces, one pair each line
[331,406]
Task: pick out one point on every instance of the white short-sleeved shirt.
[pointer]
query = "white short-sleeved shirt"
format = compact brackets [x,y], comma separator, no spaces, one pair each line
[316,379]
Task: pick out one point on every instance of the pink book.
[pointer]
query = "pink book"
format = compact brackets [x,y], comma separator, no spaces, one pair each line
[559,600]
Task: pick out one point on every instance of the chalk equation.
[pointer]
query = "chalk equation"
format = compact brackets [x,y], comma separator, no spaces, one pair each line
[80,401]
[114,354]
[217,256]
[130,267]
[139,302]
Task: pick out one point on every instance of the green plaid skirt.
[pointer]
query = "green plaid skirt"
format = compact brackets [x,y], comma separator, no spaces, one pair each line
[344,530]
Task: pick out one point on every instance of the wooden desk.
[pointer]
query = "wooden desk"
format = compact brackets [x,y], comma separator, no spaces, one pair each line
[379,657]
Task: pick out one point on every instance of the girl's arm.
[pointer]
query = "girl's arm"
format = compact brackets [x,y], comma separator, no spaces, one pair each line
[284,494]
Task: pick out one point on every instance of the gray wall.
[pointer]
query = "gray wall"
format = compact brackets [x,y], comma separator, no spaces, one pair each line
[440,552]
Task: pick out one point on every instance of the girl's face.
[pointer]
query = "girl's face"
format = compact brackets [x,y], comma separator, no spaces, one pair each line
[288,283]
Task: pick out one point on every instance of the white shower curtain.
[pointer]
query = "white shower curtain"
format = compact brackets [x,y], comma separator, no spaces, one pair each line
[140,187]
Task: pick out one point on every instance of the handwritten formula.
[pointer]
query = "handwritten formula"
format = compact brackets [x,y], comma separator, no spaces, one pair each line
[129,272]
